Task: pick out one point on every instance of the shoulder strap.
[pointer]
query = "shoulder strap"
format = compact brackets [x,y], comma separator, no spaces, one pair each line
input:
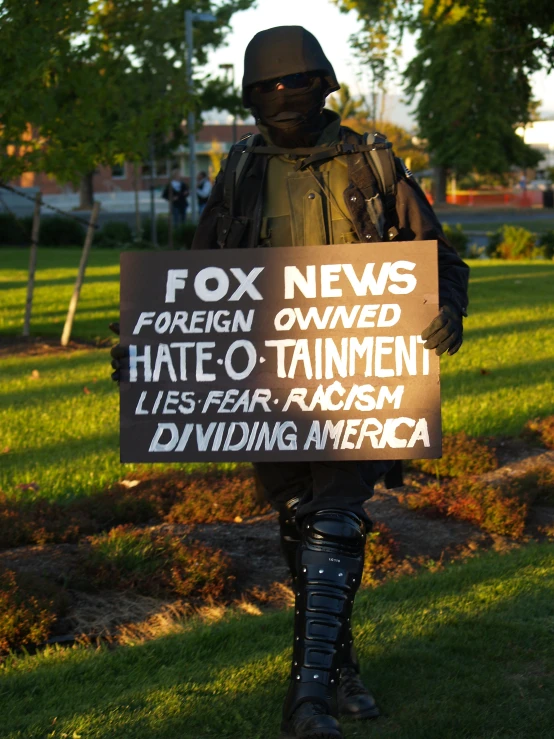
[382,162]
[235,168]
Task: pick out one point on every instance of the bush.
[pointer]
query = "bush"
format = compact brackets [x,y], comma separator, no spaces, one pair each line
[457,238]
[26,618]
[546,244]
[182,234]
[176,497]
[15,231]
[215,497]
[39,522]
[536,485]
[381,553]
[476,252]
[153,564]
[60,231]
[462,455]
[490,508]
[512,243]
[114,235]
[540,430]
[162,229]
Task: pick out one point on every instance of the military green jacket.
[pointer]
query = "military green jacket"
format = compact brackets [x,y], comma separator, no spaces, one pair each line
[279,206]
[300,207]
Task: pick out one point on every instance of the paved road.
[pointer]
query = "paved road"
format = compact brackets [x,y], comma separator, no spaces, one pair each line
[120,207]
[475,216]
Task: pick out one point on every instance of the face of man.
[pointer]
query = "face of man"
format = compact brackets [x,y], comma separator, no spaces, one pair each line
[286,79]
[290,107]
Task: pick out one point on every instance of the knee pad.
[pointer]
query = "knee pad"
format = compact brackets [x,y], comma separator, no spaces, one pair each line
[334,530]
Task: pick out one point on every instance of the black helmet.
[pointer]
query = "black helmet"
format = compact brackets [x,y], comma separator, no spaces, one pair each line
[284,50]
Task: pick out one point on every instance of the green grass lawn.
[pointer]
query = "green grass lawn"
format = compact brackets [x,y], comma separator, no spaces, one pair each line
[466,653]
[60,429]
[55,280]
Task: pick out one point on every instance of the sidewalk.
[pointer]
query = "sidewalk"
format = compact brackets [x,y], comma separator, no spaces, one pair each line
[111,202]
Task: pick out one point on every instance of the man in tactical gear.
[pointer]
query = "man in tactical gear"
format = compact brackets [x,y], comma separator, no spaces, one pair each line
[307,180]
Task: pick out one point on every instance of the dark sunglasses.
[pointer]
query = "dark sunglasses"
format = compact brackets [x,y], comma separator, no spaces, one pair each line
[290,81]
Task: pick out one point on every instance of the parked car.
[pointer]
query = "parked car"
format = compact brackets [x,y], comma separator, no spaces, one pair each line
[539,185]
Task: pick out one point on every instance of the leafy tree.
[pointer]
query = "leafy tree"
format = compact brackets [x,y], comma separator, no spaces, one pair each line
[90,82]
[404,144]
[471,72]
[353,114]
[344,104]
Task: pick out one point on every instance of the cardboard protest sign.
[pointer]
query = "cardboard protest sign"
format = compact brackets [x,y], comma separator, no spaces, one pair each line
[299,353]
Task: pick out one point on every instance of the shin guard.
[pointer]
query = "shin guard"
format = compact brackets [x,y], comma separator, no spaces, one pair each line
[330,565]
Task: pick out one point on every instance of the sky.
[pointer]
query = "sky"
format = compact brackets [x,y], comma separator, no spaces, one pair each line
[333,29]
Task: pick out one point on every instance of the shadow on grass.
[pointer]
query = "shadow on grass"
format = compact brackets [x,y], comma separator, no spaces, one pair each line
[54,393]
[15,366]
[42,282]
[79,445]
[515,375]
[459,653]
[506,329]
[88,305]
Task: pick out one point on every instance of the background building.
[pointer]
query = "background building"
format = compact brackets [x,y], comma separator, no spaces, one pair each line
[213,142]
[540,135]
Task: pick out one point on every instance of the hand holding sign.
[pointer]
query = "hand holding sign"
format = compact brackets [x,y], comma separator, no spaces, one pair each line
[120,358]
[445,331]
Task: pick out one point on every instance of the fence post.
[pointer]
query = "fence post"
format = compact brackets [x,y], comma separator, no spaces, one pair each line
[80,275]
[170,216]
[32,265]
[138,228]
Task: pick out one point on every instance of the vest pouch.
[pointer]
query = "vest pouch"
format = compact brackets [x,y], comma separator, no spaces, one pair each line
[348,237]
[230,231]
[308,209]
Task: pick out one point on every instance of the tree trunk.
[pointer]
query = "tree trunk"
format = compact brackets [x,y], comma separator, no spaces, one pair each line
[138,227]
[66,335]
[440,185]
[86,192]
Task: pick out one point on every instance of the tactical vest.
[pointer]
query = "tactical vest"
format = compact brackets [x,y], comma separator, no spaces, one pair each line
[342,193]
[306,209]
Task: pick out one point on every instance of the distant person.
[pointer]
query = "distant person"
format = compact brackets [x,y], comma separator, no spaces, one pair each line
[203,190]
[177,191]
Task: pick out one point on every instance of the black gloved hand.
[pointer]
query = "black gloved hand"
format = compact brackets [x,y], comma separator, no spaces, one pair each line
[120,359]
[445,331]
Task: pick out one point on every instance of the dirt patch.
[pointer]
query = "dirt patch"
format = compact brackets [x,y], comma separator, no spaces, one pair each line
[40,346]
[521,461]
[252,546]
[420,536]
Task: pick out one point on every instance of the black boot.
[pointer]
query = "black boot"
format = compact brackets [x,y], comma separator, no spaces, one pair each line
[354,699]
[329,569]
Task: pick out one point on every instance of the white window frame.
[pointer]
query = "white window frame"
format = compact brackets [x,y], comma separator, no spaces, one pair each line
[120,176]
